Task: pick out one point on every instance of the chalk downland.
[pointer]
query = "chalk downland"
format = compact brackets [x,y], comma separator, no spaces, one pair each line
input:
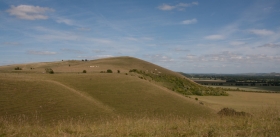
[92,95]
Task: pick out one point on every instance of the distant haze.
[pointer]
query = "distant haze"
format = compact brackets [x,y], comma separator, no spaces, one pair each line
[233,36]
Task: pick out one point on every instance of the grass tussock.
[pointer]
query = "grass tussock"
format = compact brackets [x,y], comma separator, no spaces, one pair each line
[263,123]
[232,112]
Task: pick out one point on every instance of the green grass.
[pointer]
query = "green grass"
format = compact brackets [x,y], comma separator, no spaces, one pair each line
[130,95]
[24,96]
[95,95]
[253,88]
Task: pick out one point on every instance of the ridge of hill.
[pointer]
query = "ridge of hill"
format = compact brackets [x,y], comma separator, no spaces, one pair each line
[69,93]
[128,65]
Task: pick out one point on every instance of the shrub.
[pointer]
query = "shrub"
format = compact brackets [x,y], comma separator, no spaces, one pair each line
[232,112]
[109,71]
[196,98]
[49,70]
[84,71]
[119,71]
[133,70]
[18,68]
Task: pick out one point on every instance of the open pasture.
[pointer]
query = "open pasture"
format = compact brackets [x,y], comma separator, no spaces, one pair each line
[242,101]
[253,88]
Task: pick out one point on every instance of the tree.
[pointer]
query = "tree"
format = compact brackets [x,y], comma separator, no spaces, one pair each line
[84,71]
[18,68]
[49,70]
[119,71]
[109,71]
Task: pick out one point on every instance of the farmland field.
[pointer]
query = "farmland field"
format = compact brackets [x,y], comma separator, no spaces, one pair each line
[253,88]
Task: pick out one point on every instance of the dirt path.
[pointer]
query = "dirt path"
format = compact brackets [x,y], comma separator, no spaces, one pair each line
[84,95]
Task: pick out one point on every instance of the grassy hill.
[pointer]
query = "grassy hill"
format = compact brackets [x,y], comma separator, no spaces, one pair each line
[142,100]
[69,93]
[125,65]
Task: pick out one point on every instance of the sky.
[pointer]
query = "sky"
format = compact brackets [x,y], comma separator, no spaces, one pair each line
[217,36]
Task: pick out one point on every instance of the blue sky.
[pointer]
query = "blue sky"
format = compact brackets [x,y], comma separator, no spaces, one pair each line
[218,36]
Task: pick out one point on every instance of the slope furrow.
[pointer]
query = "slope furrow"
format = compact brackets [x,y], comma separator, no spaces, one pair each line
[84,95]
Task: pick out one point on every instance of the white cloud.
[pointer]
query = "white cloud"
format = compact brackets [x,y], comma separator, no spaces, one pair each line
[29,12]
[230,57]
[100,40]
[73,51]
[160,58]
[65,21]
[166,7]
[186,4]
[271,45]
[96,57]
[192,21]
[41,52]
[214,37]
[138,39]
[237,43]
[181,50]
[180,6]
[261,32]
[54,35]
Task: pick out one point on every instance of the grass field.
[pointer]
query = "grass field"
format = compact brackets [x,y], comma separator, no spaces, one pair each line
[264,123]
[69,93]
[253,88]
[72,103]
[242,101]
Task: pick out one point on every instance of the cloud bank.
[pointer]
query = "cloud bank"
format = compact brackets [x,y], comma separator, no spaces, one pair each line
[29,12]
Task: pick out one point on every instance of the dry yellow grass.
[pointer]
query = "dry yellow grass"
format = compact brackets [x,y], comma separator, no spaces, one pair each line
[265,123]
[92,96]
[245,101]
[71,103]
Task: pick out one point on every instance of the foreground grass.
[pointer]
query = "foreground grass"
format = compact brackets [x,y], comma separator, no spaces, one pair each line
[263,123]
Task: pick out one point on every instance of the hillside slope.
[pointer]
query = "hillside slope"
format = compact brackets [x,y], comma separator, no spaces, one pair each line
[129,65]
[68,93]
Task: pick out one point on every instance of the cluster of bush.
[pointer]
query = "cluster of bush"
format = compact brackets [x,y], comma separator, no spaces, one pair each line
[108,71]
[49,70]
[232,112]
[179,84]
[18,68]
